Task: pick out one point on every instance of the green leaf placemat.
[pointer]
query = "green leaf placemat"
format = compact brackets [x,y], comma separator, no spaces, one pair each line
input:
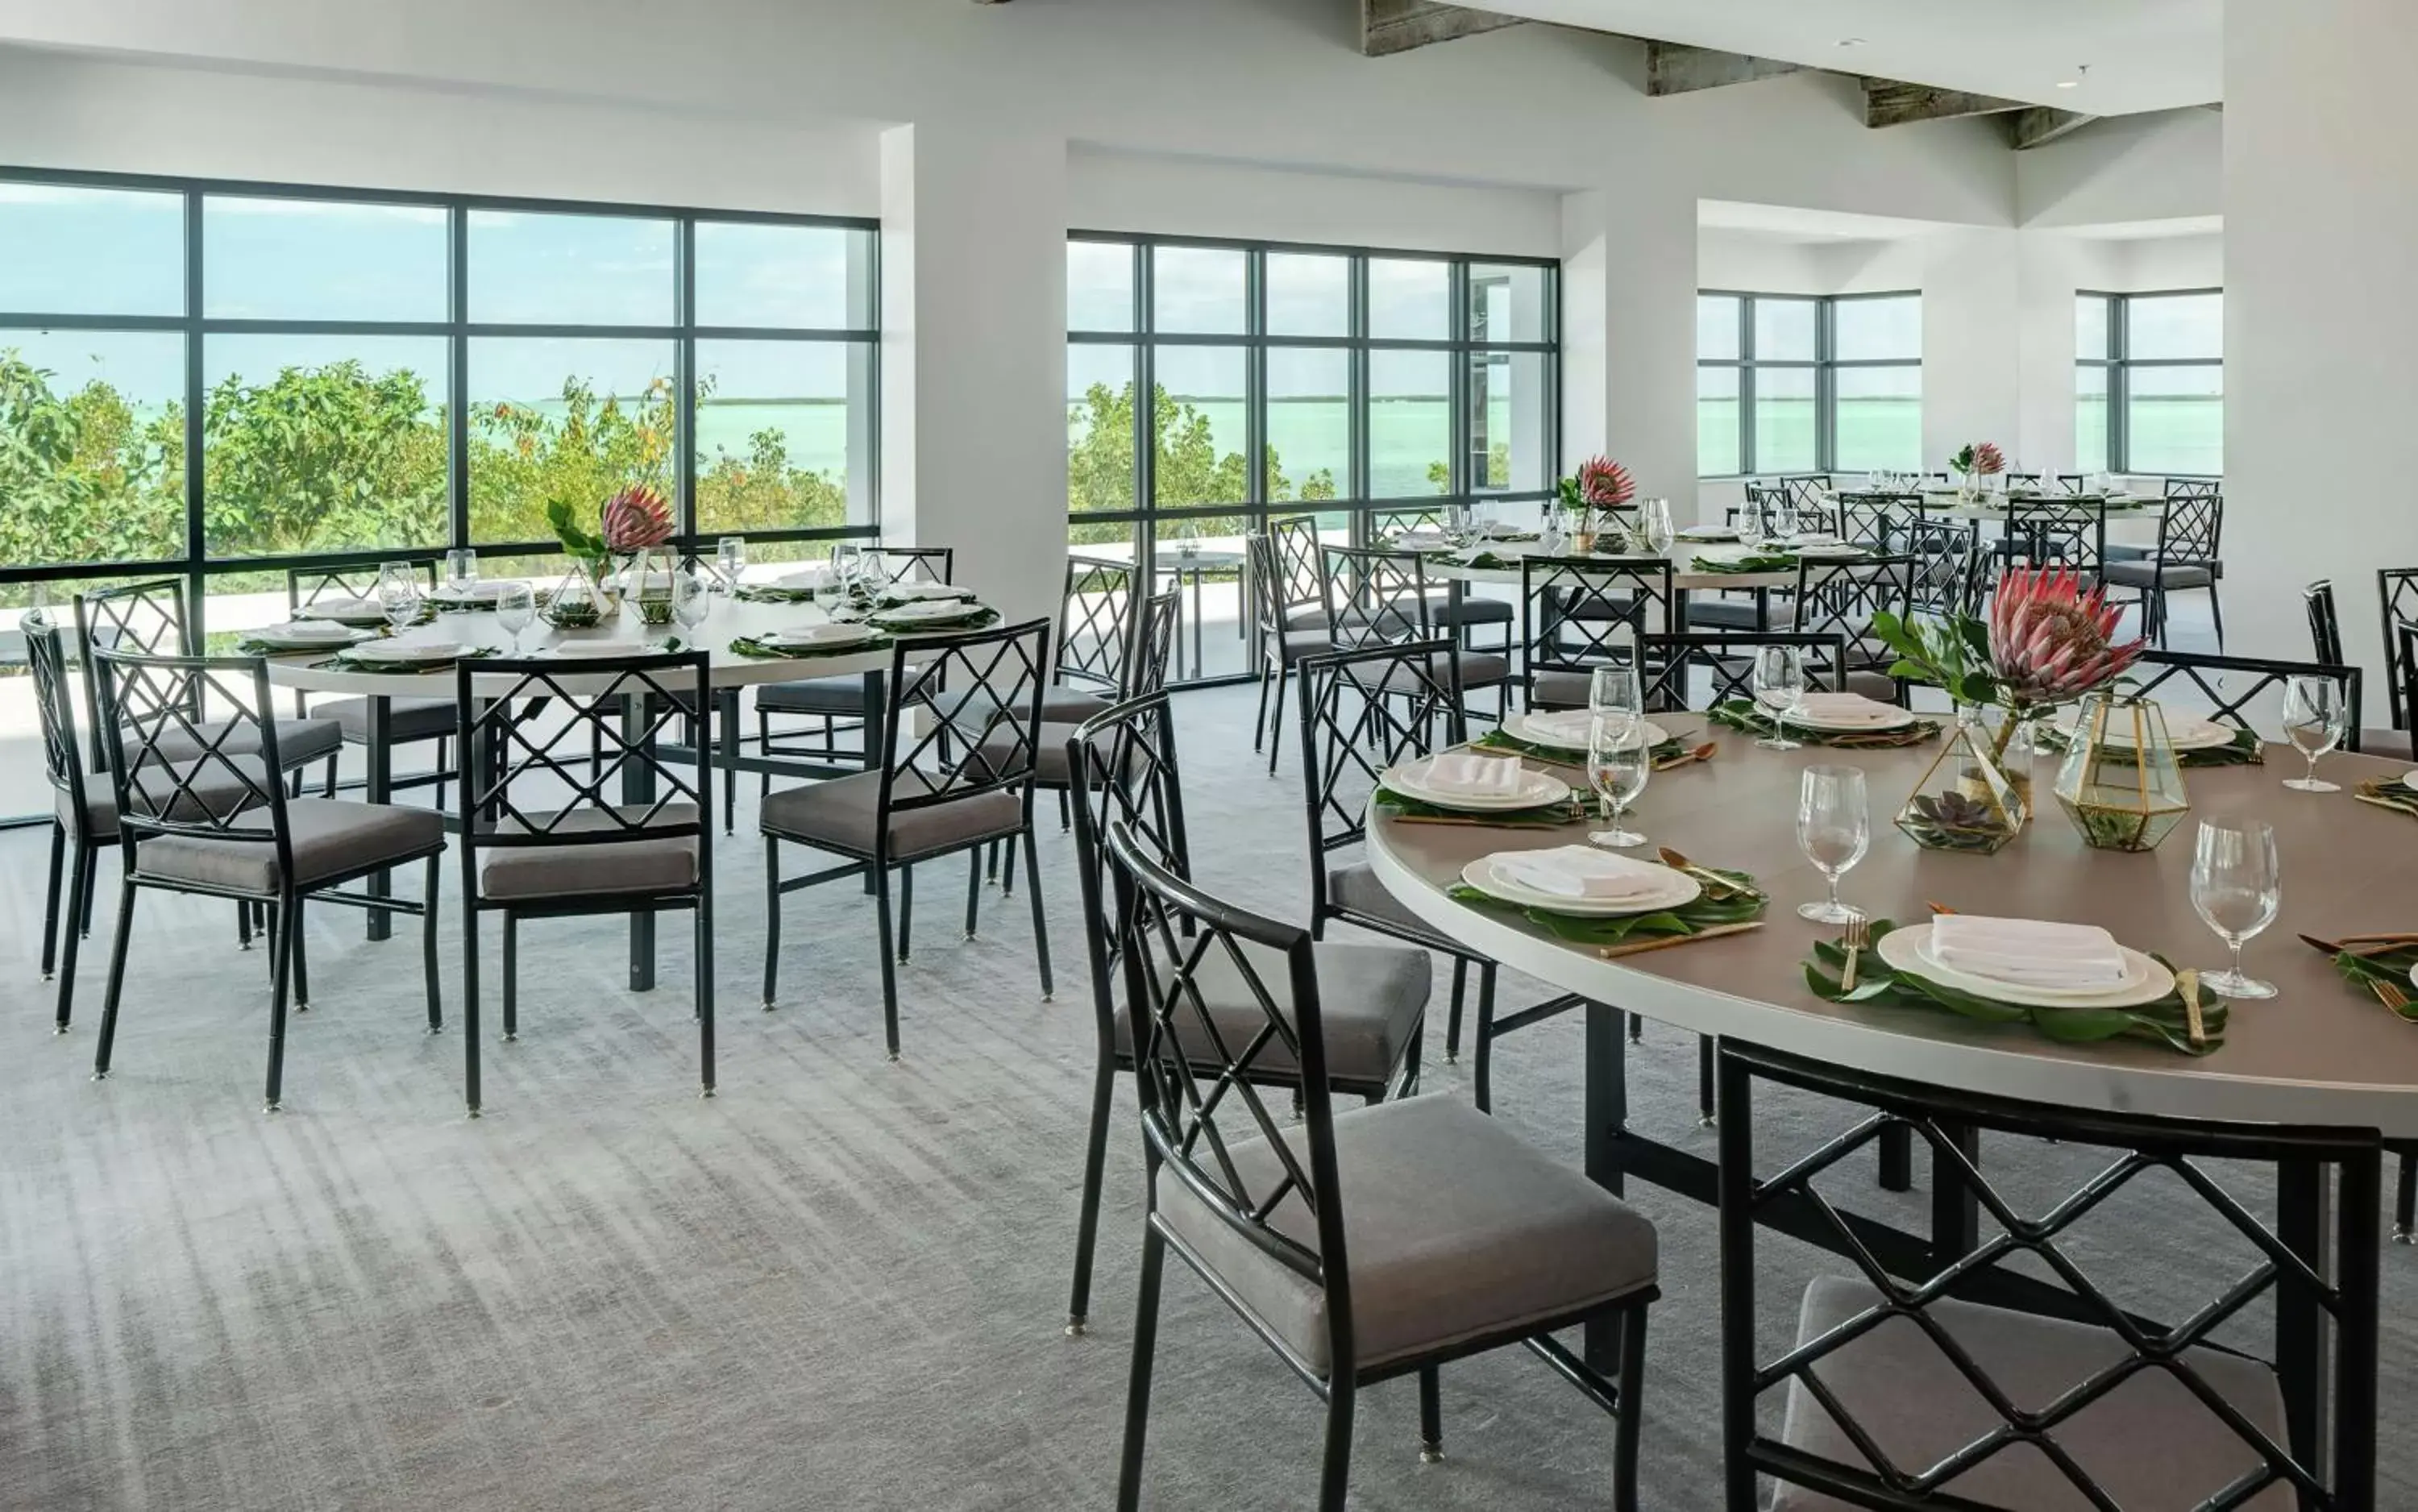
[1485,561]
[980,619]
[1545,817]
[345,661]
[1742,902]
[1762,561]
[2388,964]
[2245,750]
[2163,1022]
[251,646]
[1738,714]
[768,593]
[2388,792]
[748,646]
[1568,757]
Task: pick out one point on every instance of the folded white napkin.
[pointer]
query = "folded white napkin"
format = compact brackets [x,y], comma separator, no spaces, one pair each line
[1474,776]
[305,629]
[1850,709]
[1422,538]
[1581,872]
[1569,728]
[812,577]
[2028,951]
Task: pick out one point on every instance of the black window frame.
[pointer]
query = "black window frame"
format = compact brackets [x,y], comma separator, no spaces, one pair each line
[1825,365]
[1463,347]
[2118,365]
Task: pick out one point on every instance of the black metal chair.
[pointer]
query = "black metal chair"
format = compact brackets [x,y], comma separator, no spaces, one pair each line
[2194,487]
[410,720]
[1953,1375]
[2325,642]
[1095,634]
[1124,763]
[2212,677]
[961,782]
[1876,521]
[1375,597]
[1952,567]
[1282,642]
[538,842]
[2396,594]
[838,704]
[1841,598]
[2056,532]
[1587,612]
[201,809]
[1302,577]
[1147,669]
[2188,557]
[1335,1239]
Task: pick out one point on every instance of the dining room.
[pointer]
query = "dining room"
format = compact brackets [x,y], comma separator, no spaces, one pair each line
[1701,804]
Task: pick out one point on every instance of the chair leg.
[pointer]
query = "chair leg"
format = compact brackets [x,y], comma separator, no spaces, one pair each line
[1065,813]
[2216,613]
[1007,869]
[302,966]
[906,911]
[702,926]
[1703,1079]
[51,896]
[470,998]
[86,864]
[1484,1078]
[1452,1021]
[1087,1218]
[1276,724]
[771,915]
[764,748]
[727,715]
[512,976]
[889,963]
[243,927]
[1260,723]
[1040,916]
[116,980]
[1145,1344]
[289,934]
[1431,1415]
[973,888]
[1334,1471]
[1636,1029]
[83,902]
[444,764]
[428,944]
[2405,1197]
[1627,1425]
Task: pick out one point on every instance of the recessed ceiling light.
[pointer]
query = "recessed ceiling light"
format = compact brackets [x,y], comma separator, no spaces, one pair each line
[2069,84]
[1850,41]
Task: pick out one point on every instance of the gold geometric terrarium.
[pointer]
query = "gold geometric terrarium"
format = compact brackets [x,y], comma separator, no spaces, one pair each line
[1964,800]
[2121,783]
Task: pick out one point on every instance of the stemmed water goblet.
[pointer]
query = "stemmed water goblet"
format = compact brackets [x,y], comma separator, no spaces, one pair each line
[2237,885]
[2316,716]
[1778,682]
[692,599]
[398,593]
[1619,762]
[516,611]
[1834,827]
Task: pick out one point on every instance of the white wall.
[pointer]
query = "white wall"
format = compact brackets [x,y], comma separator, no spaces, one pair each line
[1758,262]
[2322,316]
[2162,166]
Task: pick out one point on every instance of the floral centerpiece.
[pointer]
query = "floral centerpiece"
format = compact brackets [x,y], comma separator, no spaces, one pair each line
[2045,643]
[1600,486]
[632,522]
[1977,460]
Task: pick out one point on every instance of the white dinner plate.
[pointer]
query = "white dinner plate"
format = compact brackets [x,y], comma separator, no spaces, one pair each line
[1899,721]
[483,591]
[313,635]
[347,611]
[1828,550]
[600,648]
[1480,874]
[923,593]
[1709,532]
[2409,780]
[816,637]
[408,652]
[939,612]
[1524,727]
[2187,733]
[1536,789]
[2145,981]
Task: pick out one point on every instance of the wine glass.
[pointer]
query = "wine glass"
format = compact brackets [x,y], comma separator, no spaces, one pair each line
[1457,530]
[730,555]
[1619,765]
[461,571]
[1779,681]
[516,610]
[1750,526]
[1654,523]
[1552,535]
[2237,885]
[872,571]
[2314,718]
[692,599]
[1613,693]
[1834,827]
[398,591]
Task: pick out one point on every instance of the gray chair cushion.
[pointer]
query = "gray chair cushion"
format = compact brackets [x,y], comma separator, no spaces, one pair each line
[1471,610]
[1560,689]
[1301,643]
[666,863]
[839,815]
[1880,686]
[2149,1441]
[1595,608]
[408,719]
[1739,613]
[1453,1229]
[1478,669]
[331,838]
[300,742]
[2393,745]
[1371,999]
[841,698]
[1305,617]
[2144,574]
[1049,757]
[1355,888]
[2119,552]
[1072,705]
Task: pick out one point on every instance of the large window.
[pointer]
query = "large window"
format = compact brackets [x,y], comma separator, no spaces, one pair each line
[1369,384]
[2149,382]
[1789,382]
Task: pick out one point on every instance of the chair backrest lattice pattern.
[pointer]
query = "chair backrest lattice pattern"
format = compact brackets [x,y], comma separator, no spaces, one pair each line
[919,564]
[563,779]
[1096,624]
[1951,567]
[1122,765]
[2052,532]
[2325,629]
[1375,597]
[2230,684]
[1725,658]
[2194,487]
[976,698]
[2396,592]
[1585,612]
[1301,574]
[307,586]
[1361,713]
[46,659]
[1841,598]
[175,773]
[2191,532]
[147,618]
[1155,646]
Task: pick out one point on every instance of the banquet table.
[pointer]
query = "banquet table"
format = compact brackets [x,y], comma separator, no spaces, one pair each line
[730,619]
[1685,576]
[2319,1053]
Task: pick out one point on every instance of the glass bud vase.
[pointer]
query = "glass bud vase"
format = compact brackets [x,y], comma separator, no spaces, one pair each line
[1964,800]
[649,584]
[576,604]
[2121,782]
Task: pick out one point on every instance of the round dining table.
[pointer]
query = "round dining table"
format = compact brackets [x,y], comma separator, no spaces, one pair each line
[1686,577]
[730,619]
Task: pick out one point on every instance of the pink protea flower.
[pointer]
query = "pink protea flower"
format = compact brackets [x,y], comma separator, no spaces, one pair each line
[635,518]
[1988,460]
[2050,642]
[1604,483]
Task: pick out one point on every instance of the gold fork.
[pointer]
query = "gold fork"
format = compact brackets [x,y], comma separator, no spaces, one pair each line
[1858,935]
[2390,994]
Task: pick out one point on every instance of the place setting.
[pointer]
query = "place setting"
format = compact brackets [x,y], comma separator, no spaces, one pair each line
[399,655]
[1467,788]
[834,638]
[1622,905]
[302,636]
[1784,715]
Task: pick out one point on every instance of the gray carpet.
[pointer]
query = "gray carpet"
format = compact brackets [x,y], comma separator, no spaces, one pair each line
[838,1283]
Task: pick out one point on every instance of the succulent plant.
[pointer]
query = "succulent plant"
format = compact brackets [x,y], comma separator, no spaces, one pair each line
[1955,811]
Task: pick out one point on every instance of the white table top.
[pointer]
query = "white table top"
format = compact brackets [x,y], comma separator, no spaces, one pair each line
[1681,555]
[729,619]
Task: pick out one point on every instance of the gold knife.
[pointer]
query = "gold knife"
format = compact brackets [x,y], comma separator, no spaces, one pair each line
[1640,947]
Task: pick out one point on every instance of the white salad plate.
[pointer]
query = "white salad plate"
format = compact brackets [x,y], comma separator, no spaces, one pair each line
[2145,981]
[1482,874]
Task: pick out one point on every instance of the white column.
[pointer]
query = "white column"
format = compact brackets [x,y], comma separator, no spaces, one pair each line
[1972,348]
[2322,316]
[1629,336]
[973,354]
